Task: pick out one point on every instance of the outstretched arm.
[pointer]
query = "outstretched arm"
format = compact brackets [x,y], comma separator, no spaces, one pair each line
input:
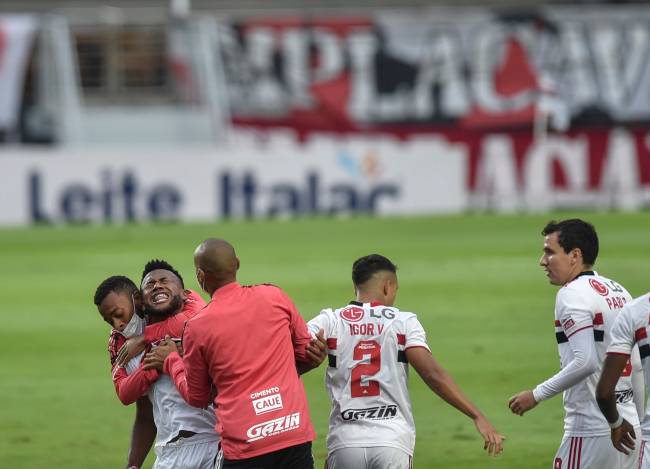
[440,382]
[584,363]
[623,432]
[143,434]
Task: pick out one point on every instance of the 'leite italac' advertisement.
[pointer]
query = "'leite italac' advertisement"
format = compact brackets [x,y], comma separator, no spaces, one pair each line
[328,177]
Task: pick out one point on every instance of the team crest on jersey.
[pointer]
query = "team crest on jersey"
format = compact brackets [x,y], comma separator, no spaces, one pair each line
[599,287]
[352,314]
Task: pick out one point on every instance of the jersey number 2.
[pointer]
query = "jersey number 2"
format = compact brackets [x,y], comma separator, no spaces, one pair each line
[361,351]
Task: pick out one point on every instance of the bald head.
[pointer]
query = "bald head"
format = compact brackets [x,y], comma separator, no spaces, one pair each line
[216,264]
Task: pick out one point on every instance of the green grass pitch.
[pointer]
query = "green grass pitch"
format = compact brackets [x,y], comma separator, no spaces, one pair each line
[473,281]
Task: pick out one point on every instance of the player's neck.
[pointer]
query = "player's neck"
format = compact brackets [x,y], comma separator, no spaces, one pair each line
[220,284]
[583,269]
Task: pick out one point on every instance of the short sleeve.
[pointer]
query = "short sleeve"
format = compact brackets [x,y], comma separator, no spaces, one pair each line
[622,333]
[322,321]
[573,312]
[415,335]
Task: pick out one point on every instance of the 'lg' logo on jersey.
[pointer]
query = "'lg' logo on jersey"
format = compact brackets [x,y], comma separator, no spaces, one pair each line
[599,287]
[352,314]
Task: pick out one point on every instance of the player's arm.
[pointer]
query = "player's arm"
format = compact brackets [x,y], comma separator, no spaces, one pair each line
[130,388]
[197,377]
[193,304]
[577,324]
[319,328]
[618,354]
[316,353]
[638,383]
[440,382]
[133,347]
[300,336]
[166,359]
[623,435]
[143,434]
[172,326]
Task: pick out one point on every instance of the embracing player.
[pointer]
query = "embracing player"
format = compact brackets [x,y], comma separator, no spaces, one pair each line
[585,308]
[370,344]
[630,329]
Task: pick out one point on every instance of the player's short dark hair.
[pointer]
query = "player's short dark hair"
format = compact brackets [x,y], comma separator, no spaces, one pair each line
[575,233]
[116,284]
[159,264]
[366,266]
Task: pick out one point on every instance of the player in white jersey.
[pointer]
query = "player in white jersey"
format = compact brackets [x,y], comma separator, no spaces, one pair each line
[185,436]
[630,329]
[370,345]
[585,308]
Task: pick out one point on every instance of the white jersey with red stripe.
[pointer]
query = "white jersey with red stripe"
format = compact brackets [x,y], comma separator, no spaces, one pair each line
[591,301]
[632,327]
[367,376]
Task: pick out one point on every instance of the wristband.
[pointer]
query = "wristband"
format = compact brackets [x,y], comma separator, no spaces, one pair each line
[618,423]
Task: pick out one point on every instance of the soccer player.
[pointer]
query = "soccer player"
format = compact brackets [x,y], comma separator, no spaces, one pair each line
[116,299]
[585,308]
[630,329]
[371,343]
[245,344]
[185,435]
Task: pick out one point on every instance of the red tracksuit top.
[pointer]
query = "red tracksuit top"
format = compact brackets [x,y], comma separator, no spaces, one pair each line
[245,343]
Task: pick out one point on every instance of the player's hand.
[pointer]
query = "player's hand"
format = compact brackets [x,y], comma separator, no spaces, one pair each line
[521,403]
[317,349]
[131,348]
[156,358]
[492,440]
[623,437]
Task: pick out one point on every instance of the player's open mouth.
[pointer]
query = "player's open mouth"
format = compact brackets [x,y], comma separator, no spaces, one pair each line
[159,298]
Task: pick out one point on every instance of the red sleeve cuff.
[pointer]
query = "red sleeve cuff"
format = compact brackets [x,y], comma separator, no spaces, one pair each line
[417,346]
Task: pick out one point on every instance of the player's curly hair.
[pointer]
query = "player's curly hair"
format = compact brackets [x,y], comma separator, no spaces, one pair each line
[159,264]
[117,284]
[575,233]
[366,266]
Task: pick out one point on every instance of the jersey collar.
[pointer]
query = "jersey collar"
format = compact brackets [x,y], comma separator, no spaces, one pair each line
[581,274]
[358,303]
[586,272]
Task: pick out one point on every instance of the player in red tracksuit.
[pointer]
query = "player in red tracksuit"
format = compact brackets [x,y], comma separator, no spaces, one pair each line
[247,344]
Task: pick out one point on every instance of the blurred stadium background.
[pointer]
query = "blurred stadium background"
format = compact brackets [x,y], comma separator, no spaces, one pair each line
[310,133]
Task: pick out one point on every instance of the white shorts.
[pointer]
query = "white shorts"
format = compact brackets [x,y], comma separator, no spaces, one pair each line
[593,452]
[195,452]
[374,457]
